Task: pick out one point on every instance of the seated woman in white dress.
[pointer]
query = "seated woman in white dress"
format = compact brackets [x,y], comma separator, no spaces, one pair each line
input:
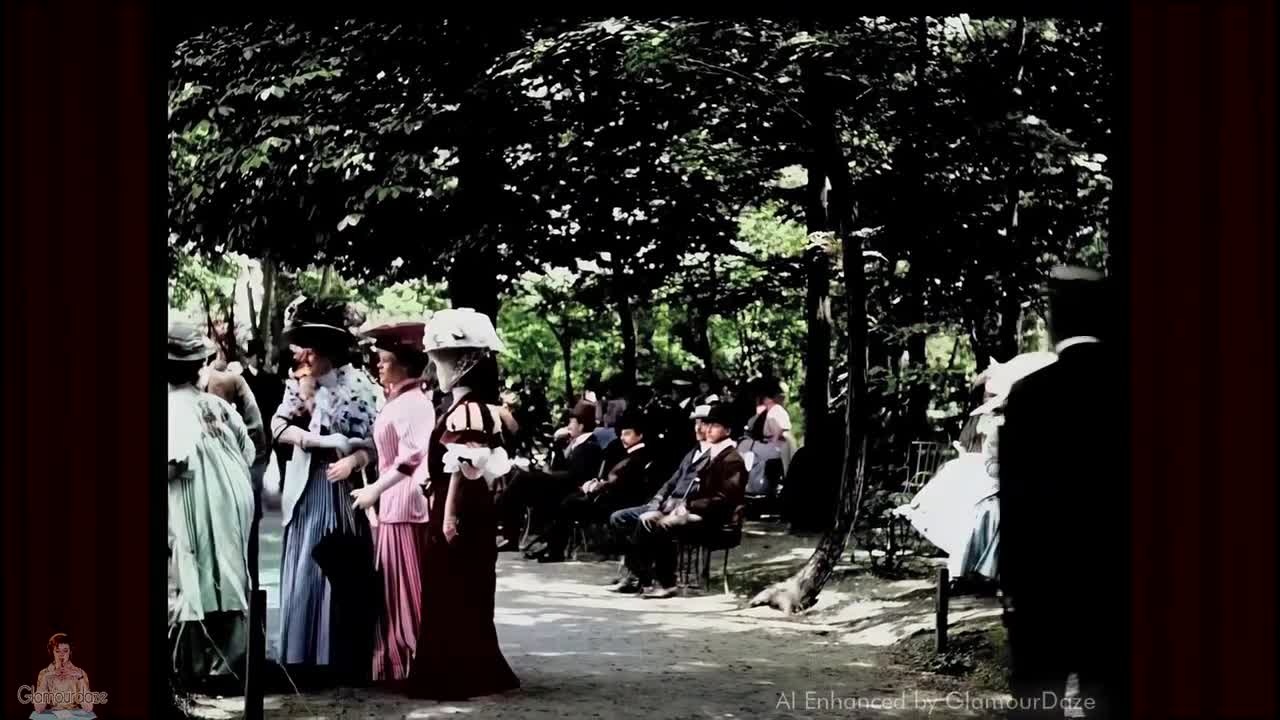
[959,510]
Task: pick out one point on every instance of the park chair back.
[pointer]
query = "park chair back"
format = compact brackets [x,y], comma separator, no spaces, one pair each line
[923,460]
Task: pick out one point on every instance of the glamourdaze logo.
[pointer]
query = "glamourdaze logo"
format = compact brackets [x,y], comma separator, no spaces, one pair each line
[61,689]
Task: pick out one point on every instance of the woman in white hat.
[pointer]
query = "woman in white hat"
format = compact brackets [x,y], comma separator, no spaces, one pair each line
[210,514]
[458,656]
[328,454]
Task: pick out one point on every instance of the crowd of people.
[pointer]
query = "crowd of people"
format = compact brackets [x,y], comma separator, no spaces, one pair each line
[404,472]
[403,477]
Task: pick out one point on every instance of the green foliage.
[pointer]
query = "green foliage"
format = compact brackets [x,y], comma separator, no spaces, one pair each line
[663,162]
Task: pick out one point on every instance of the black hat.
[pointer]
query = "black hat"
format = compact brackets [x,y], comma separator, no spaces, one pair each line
[585,412]
[720,414]
[321,323]
[632,420]
[1077,301]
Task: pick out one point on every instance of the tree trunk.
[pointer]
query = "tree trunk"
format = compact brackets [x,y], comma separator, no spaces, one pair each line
[1010,305]
[262,330]
[918,395]
[627,326]
[801,590]
[699,325]
[230,345]
[817,304]
[473,281]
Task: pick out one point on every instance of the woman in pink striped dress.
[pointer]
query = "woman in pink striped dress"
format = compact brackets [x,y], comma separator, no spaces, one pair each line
[400,435]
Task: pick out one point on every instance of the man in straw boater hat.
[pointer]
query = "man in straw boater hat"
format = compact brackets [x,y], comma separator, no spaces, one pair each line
[210,513]
[457,655]
[710,499]
[623,522]
[1063,495]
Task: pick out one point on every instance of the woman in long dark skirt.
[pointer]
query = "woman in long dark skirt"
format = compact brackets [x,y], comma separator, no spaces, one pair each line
[458,655]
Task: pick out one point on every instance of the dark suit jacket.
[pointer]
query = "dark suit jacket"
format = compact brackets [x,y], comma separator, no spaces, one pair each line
[722,485]
[581,464]
[687,466]
[1064,491]
[628,481]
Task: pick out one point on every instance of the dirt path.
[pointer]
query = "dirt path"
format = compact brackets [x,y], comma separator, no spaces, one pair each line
[581,651]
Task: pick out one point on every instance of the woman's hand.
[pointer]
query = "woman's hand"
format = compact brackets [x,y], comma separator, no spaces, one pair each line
[364,497]
[341,469]
[450,527]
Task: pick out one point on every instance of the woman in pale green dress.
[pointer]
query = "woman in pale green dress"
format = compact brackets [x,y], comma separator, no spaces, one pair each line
[210,514]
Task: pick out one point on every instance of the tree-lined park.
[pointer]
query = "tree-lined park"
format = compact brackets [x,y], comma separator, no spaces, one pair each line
[865,209]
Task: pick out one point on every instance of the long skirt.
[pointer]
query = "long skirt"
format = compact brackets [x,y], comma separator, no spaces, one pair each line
[458,655]
[401,547]
[310,609]
[981,552]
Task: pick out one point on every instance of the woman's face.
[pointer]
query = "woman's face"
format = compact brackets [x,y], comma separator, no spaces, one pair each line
[390,371]
[314,361]
[575,428]
[62,653]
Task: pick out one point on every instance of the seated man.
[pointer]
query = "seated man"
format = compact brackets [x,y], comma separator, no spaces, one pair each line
[623,485]
[543,491]
[703,493]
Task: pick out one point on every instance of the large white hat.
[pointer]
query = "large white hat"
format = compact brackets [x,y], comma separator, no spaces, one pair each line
[1001,377]
[461,328]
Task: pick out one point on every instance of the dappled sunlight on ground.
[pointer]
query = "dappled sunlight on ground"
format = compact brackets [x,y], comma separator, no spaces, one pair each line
[583,651]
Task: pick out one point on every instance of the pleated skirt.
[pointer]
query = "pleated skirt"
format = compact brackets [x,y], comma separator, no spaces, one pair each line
[306,598]
[400,548]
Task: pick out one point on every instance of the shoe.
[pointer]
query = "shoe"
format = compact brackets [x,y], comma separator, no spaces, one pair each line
[505,545]
[630,586]
[535,549]
[546,557]
[657,592]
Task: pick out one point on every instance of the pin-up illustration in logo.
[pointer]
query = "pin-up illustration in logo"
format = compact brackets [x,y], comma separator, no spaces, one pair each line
[62,689]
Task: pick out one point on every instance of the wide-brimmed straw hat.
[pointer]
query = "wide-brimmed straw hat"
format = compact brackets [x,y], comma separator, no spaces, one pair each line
[187,344]
[461,329]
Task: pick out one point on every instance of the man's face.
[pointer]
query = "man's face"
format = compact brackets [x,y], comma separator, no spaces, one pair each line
[630,438]
[716,432]
[700,430]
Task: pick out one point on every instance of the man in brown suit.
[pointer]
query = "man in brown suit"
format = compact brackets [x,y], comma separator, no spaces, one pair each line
[708,503]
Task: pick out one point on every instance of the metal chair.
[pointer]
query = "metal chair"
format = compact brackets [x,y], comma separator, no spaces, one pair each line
[577,540]
[701,547]
[923,460]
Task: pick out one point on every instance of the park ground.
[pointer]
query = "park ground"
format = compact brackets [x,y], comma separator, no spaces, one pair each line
[865,650]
